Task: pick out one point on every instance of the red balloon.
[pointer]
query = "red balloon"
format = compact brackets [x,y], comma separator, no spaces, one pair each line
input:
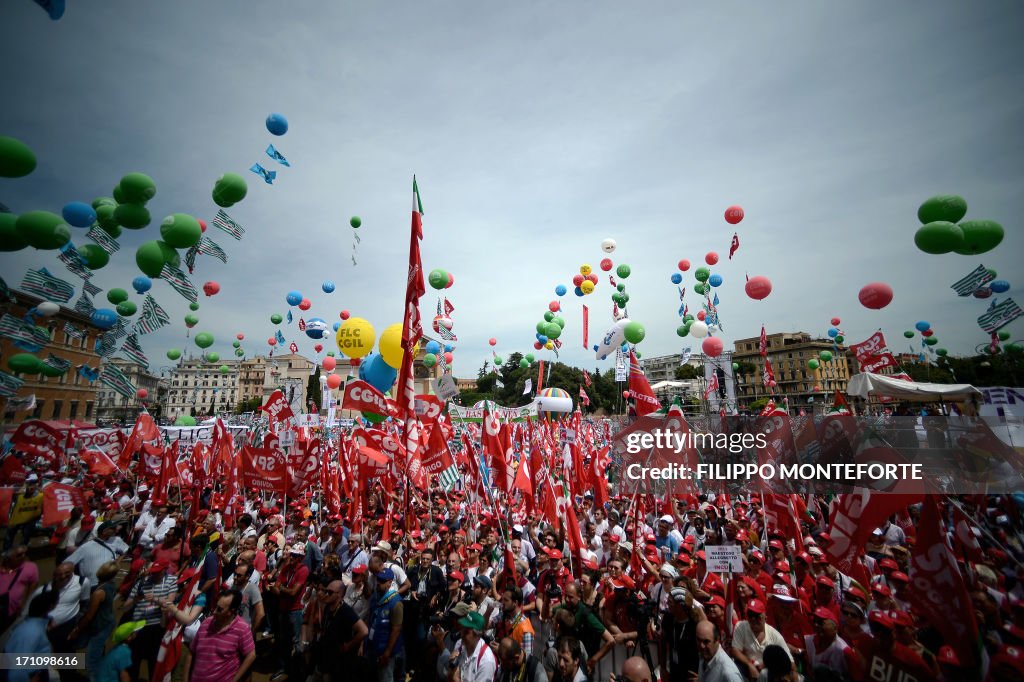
[239,336]
[448,357]
[305,304]
[202,225]
[625,394]
[354,362]
[211,288]
[835,321]
[451,281]
[344,314]
[329,363]
[927,332]
[701,315]
[142,394]
[318,347]
[537,345]
[733,214]
[333,381]
[875,295]
[577,280]
[272,341]
[684,265]
[606,264]
[712,346]
[493,342]
[592,277]
[711,258]
[758,287]
[554,306]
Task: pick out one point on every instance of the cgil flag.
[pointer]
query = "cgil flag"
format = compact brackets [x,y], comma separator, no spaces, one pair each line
[153,317]
[73,261]
[101,237]
[224,222]
[41,283]
[113,378]
[208,247]
[133,351]
[974,279]
[179,281]
[735,244]
[9,385]
[998,316]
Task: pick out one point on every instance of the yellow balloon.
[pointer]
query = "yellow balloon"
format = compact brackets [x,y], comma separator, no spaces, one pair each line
[391,346]
[585,270]
[587,287]
[549,345]
[356,336]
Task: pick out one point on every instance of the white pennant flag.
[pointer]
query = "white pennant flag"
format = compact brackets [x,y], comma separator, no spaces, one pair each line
[528,387]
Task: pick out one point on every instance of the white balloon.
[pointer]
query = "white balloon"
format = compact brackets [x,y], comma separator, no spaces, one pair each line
[608,245]
[612,340]
[698,329]
[323,380]
[48,308]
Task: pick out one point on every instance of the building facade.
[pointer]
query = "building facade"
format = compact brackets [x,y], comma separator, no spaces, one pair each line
[199,388]
[68,396]
[112,406]
[789,354]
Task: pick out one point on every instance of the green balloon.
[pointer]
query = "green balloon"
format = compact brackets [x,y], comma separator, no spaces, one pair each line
[239,352]
[1003,335]
[552,331]
[622,271]
[236,344]
[700,288]
[94,255]
[151,257]
[499,360]
[355,221]
[621,286]
[132,216]
[548,317]
[204,339]
[530,358]
[638,355]
[931,341]
[224,369]
[191,320]
[542,326]
[185,420]
[193,307]
[980,236]
[117,295]
[24,363]
[523,363]
[825,355]
[840,339]
[625,298]
[276,319]
[10,238]
[181,230]
[939,237]
[947,207]
[617,299]
[213,357]
[429,360]
[701,274]
[136,188]
[559,320]
[119,196]
[438,278]
[173,354]
[689,318]
[229,189]
[103,201]
[127,309]
[634,332]
[106,220]
[50,371]
[813,363]
[909,334]
[992,272]
[683,330]
[16,159]
[941,352]
[373,418]
[1015,348]
[331,353]
[43,230]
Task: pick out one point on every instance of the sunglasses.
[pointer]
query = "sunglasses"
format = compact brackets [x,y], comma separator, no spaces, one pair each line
[851,613]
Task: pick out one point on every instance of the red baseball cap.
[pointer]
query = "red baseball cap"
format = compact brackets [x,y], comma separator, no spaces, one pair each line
[948,657]
[755,606]
[716,600]
[783,592]
[900,577]
[776,544]
[889,563]
[553,554]
[856,592]
[825,581]
[701,556]
[902,618]
[457,575]
[826,614]
[880,618]
[782,566]
[757,555]
[360,569]
[879,588]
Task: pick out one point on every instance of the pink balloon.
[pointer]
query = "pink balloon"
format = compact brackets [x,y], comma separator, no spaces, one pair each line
[606,264]
[537,345]
[625,394]
[239,336]
[492,341]
[202,225]
[344,314]
[701,315]
[211,288]
[927,332]
[592,277]
[684,265]
[734,214]
[329,363]
[142,394]
[318,347]
[875,295]
[305,304]
[333,381]
[451,281]
[711,258]
[835,321]
[758,287]
[577,280]
[448,357]
[712,346]
[272,341]
[554,306]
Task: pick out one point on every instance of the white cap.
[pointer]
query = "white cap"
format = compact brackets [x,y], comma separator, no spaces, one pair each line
[626,545]
[31,478]
[143,488]
[298,548]
[518,528]
[383,546]
[667,519]
[669,570]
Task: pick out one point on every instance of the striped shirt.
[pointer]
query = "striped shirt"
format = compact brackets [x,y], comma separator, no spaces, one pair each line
[152,588]
[219,655]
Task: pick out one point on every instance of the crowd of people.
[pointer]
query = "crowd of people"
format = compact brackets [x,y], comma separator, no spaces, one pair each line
[451,590]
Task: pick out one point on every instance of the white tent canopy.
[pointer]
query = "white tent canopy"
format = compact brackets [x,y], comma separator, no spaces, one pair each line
[669,384]
[865,385]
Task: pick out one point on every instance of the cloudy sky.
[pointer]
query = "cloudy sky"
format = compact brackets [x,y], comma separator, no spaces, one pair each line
[536,130]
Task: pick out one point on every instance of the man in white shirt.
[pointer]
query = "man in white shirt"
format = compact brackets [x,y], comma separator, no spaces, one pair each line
[72,594]
[156,529]
[104,547]
[477,662]
[715,664]
[752,635]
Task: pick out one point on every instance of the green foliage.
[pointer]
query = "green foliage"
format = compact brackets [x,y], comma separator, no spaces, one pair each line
[250,405]
[686,372]
[758,404]
[313,388]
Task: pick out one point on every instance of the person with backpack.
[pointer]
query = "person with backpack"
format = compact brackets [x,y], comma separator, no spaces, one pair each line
[517,666]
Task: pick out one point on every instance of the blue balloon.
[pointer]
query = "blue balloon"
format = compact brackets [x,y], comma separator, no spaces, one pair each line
[999,286]
[448,348]
[142,284]
[328,287]
[715,280]
[596,347]
[337,326]
[277,124]
[79,214]
[316,328]
[578,292]
[676,278]
[293,298]
[625,348]
[833,333]
[104,318]
[374,371]
[433,347]
[560,290]
[922,326]
[543,339]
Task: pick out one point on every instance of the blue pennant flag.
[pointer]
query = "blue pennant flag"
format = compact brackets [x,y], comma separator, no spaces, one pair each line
[277,156]
[268,176]
[716,298]
[280,337]
[290,318]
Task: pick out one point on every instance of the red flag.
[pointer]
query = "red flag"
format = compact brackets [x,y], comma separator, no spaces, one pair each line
[598,479]
[6,500]
[58,501]
[586,329]
[540,377]
[168,472]
[854,516]
[586,379]
[762,346]
[144,432]
[939,593]
[37,438]
[12,471]
[735,244]
[264,470]
[438,457]
[97,461]
[277,408]
[769,374]
[170,644]
[584,398]
[412,332]
[963,532]
[640,389]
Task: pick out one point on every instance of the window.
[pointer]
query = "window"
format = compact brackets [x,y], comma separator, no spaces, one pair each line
[58,406]
[63,379]
[88,409]
[38,412]
[73,409]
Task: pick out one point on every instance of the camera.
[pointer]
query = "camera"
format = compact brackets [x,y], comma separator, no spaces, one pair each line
[641,609]
[437,618]
[553,591]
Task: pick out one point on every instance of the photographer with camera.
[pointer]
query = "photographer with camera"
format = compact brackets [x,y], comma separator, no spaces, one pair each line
[677,649]
[444,638]
[428,584]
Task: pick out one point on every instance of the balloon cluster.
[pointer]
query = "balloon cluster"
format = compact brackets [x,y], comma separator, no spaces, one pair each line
[943,230]
[440,279]
[586,280]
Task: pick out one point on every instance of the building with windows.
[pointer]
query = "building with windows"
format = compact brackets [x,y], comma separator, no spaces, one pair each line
[789,354]
[68,396]
[112,406]
[663,367]
[466,385]
[199,388]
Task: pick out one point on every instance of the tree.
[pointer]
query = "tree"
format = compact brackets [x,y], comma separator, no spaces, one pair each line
[685,372]
[313,388]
